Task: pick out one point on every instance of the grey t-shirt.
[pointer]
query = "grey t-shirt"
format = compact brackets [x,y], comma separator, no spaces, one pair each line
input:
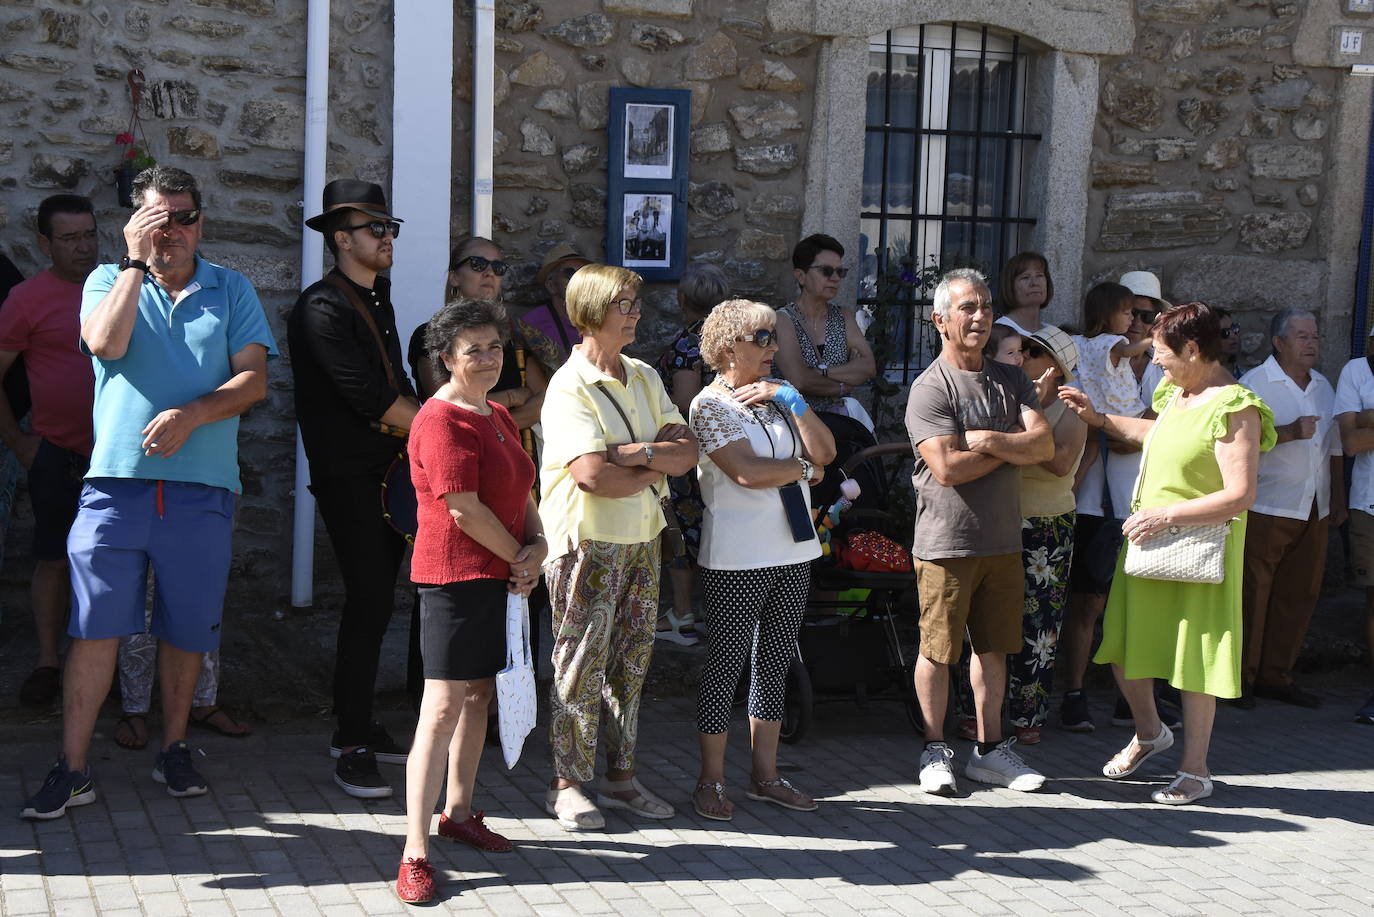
[982,517]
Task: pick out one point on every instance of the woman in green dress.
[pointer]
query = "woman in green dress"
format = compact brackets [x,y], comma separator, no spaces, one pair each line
[1200,468]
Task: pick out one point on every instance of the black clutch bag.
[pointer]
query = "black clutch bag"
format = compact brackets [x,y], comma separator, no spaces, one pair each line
[798,516]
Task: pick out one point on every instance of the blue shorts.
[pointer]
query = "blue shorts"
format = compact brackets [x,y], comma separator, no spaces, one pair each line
[124,525]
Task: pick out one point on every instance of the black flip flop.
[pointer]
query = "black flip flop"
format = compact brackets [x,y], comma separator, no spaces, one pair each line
[127,721]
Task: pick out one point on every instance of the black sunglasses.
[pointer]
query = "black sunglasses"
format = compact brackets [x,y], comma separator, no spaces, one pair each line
[379,228]
[827,271]
[184,217]
[1146,316]
[764,337]
[1231,332]
[480,264]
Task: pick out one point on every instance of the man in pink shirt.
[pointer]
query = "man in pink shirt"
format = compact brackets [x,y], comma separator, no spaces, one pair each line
[42,320]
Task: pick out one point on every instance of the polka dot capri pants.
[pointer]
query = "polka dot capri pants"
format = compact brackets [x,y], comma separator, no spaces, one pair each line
[757,609]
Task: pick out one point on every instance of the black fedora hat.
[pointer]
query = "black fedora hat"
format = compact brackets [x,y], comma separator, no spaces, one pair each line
[351,194]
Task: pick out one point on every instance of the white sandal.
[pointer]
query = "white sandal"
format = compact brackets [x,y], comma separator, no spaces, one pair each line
[578,813]
[1166,797]
[1162,742]
[644,804]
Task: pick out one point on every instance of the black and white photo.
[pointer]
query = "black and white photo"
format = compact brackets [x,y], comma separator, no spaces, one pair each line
[648,222]
[648,141]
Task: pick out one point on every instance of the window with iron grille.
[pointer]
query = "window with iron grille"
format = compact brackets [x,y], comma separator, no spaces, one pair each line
[945,150]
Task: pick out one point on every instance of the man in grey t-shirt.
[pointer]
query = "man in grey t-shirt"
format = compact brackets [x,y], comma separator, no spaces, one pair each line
[971,421]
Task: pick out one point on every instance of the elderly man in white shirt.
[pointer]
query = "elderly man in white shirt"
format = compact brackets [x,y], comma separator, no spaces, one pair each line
[1355,416]
[1301,492]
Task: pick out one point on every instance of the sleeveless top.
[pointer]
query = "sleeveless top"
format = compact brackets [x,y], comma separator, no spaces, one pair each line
[833,351]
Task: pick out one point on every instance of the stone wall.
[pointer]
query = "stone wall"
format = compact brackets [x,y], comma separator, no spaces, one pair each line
[223,98]
[1211,161]
[751,107]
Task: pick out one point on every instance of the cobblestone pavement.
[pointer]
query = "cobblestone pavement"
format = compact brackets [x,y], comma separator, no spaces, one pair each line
[1288,832]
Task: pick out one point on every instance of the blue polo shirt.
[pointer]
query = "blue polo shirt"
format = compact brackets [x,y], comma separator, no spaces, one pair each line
[177,352]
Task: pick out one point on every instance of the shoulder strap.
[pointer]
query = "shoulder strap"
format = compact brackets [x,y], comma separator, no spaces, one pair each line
[601,387]
[340,283]
[1145,449]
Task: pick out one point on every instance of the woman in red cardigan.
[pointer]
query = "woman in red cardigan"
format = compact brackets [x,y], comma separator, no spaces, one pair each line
[479,538]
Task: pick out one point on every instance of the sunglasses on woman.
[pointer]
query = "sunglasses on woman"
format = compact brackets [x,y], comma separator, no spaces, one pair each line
[479,265]
[184,217]
[827,271]
[379,228]
[1231,332]
[764,337]
[628,306]
[1145,316]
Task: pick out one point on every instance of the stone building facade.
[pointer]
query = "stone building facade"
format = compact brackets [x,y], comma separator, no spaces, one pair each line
[1221,143]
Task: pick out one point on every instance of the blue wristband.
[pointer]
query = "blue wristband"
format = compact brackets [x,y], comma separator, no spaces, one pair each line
[790,398]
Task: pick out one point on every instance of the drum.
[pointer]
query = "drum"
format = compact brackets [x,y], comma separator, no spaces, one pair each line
[400,506]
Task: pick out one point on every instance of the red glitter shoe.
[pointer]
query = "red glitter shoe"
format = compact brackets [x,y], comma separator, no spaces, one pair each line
[473,832]
[415,881]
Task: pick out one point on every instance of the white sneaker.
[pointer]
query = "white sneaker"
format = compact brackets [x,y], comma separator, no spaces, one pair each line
[937,771]
[1003,767]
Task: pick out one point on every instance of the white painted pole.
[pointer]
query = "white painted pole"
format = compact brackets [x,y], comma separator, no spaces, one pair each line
[312,266]
[422,161]
[483,94]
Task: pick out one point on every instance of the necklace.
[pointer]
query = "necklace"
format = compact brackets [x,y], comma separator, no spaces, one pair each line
[500,437]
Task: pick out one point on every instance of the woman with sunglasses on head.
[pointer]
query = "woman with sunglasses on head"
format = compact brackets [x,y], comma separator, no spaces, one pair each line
[821,350]
[611,434]
[761,450]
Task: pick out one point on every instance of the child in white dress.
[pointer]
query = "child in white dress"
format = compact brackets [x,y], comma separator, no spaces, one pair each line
[1104,357]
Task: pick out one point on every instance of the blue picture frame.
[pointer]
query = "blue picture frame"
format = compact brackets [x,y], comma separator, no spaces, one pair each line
[646,189]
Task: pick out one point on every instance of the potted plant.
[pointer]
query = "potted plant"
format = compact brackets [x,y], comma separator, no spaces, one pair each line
[134,156]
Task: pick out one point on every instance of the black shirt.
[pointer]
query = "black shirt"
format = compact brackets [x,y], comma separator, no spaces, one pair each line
[340,380]
[16,380]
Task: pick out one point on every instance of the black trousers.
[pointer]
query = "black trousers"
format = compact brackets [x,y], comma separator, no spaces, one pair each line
[369,553]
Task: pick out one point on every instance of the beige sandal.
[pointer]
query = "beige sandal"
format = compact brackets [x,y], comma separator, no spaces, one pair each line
[781,792]
[643,803]
[573,809]
[1124,763]
[719,808]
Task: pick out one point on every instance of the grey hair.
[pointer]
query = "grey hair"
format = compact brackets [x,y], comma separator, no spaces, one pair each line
[703,287]
[1278,325]
[959,275]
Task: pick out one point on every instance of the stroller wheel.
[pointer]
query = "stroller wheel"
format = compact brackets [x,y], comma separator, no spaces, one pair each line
[798,708]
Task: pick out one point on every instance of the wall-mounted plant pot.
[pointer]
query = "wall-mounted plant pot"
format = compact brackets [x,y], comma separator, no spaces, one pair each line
[124,185]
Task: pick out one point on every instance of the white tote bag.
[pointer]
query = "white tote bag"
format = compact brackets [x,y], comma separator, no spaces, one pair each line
[515,683]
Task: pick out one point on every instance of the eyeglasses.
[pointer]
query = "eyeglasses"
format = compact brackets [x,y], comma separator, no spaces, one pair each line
[1145,316]
[1233,331]
[184,217]
[379,228]
[827,271]
[480,264]
[764,337]
[628,306]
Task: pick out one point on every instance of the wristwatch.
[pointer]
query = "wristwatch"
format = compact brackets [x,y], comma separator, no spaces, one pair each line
[126,262]
[807,469]
[823,369]
[648,454]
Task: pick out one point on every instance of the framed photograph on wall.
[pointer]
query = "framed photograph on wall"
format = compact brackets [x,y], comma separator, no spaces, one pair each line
[646,201]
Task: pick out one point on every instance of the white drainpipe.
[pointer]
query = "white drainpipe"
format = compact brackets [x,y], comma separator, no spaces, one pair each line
[312,267]
[483,68]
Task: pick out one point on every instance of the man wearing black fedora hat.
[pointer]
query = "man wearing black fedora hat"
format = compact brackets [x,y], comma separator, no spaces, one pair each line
[353,400]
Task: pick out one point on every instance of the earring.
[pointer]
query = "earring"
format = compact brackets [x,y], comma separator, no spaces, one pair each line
[732,364]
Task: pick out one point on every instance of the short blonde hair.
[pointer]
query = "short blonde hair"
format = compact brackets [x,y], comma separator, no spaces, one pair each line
[591,290]
[729,320]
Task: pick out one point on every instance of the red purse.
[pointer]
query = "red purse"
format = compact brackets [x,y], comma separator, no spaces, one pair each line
[875,553]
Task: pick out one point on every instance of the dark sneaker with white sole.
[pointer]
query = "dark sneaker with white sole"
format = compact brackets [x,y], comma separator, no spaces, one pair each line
[1073,713]
[174,768]
[357,774]
[383,747]
[62,787]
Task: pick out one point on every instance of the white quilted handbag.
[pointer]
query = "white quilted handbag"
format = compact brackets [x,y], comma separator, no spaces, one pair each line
[515,698]
[1180,553]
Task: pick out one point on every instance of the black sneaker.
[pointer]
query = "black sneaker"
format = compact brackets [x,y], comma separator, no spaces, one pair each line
[1073,713]
[174,768]
[42,687]
[357,774]
[386,749]
[1121,713]
[62,788]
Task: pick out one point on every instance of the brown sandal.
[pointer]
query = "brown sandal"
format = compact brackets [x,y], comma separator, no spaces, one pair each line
[135,731]
[718,806]
[226,725]
[780,792]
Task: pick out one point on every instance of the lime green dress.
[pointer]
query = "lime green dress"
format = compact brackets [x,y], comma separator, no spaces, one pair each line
[1188,633]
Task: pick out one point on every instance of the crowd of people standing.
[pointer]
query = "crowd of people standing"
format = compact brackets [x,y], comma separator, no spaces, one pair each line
[551,466]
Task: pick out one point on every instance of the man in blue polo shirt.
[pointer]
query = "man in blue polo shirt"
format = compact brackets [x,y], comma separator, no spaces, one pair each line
[180,348]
